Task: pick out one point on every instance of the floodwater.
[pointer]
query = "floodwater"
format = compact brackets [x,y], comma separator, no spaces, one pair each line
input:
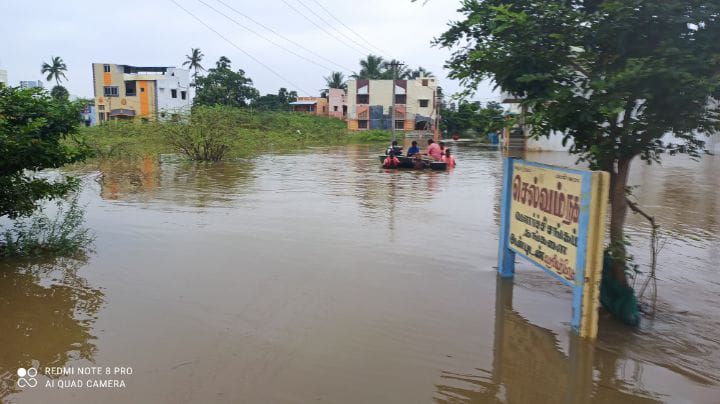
[317,276]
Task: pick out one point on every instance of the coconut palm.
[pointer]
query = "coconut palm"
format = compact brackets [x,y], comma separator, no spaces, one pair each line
[420,72]
[193,61]
[394,70]
[371,68]
[55,70]
[336,80]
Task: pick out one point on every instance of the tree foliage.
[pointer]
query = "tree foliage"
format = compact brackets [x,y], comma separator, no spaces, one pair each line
[615,77]
[275,102]
[33,127]
[223,86]
[60,93]
[192,61]
[55,70]
[474,117]
[336,80]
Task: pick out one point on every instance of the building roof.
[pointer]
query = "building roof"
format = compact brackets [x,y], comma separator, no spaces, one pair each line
[303,103]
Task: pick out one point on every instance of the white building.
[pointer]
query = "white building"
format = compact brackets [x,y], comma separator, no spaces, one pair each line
[3,77]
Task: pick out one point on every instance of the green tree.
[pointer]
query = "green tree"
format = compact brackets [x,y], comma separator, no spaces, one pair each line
[419,72]
[395,70]
[336,80]
[33,132]
[223,86]
[60,92]
[371,68]
[55,70]
[615,77]
[275,102]
[193,62]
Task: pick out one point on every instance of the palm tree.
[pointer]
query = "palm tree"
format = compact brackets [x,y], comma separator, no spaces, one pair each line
[420,72]
[193,61]
[399,72]
[55,70]
[371,68]
[336,80]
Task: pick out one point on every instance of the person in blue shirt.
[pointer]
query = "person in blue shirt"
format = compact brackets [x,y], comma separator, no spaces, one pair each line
[414,149]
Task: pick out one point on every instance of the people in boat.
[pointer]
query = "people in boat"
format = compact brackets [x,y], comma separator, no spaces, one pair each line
[394,149]
[442,148]
[448,158]
[391,161]
[433,150]
[417,161]
[414,149]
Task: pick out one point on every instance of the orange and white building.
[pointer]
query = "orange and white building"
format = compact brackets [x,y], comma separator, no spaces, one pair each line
[148,93]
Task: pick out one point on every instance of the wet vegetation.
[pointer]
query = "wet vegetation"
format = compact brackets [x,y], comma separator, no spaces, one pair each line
[219,132]
[61,234]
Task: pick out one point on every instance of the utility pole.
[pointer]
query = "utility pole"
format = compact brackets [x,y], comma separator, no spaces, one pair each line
[393,66]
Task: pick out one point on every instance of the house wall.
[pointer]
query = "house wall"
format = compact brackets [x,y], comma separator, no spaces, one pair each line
[380,95]
[321,105]
[153,93]
[336,101]
[173,79]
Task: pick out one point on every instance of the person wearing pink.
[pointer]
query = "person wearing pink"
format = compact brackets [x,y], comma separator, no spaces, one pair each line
[391,161]
[433,150]
[448,158]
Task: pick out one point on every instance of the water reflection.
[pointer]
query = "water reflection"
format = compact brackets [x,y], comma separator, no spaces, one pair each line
[529,366]
[170,179]
[48,314]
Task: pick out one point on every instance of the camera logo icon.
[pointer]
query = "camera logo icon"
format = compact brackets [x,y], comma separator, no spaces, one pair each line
[26,377]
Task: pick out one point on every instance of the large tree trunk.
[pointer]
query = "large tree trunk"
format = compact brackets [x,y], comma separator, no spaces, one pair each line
[618,212]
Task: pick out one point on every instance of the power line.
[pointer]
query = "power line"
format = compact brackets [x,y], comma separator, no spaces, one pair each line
[281,36]
[350,29]
[362,52]
[239,48]
[264,37]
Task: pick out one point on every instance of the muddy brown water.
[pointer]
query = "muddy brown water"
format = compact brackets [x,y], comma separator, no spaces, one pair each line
[317,276]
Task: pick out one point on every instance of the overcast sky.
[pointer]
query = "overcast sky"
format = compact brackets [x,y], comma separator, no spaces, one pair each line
[160,33]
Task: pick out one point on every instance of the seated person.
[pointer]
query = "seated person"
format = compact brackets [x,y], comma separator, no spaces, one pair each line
[433,150]
[391,161]
[394,148]
[413,150]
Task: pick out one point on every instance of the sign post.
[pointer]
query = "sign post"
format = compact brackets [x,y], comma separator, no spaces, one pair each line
[554,217]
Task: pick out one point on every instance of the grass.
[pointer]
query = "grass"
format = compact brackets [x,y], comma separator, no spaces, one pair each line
[245,133]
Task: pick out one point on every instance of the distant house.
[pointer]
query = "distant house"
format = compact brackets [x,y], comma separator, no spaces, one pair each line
[310,105]
[31,84]
[370,104]
[337,103]
[3,77]
[128,92]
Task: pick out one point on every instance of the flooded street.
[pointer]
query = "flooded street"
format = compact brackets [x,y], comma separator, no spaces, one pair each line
[317,276]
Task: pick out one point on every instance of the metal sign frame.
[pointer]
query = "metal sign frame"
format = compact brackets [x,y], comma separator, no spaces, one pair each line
[591,232]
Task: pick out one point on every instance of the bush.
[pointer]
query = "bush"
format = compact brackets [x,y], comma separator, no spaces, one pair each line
[203,136]
[39,235]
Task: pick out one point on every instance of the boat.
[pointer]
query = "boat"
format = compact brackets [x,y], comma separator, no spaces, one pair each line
[409,162]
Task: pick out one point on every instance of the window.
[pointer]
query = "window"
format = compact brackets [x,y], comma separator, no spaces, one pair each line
[424,103]
[399,124]
[142,89]
[173,93]
[130,88]
[362,124]
[363,99]
[400,98]
[101,108]
[335,108]
[110,91]
[425,82]
[183,94]
[106,68]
